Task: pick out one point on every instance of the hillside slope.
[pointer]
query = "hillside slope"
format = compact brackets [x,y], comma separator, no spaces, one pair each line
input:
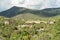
[15,11]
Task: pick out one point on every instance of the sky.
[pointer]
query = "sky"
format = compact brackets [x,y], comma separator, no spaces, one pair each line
[31,4]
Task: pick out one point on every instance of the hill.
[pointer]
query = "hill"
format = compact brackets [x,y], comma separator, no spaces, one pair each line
[15,11]
[20,23]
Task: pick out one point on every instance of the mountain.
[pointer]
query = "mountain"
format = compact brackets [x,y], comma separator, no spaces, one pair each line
[15,11]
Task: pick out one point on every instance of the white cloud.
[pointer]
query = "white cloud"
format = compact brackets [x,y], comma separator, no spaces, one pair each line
[32,4]
[5,4]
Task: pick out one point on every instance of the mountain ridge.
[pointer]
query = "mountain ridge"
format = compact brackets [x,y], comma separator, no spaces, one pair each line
[14,11]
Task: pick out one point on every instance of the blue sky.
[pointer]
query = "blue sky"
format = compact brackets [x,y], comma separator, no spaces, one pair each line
[32,4]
